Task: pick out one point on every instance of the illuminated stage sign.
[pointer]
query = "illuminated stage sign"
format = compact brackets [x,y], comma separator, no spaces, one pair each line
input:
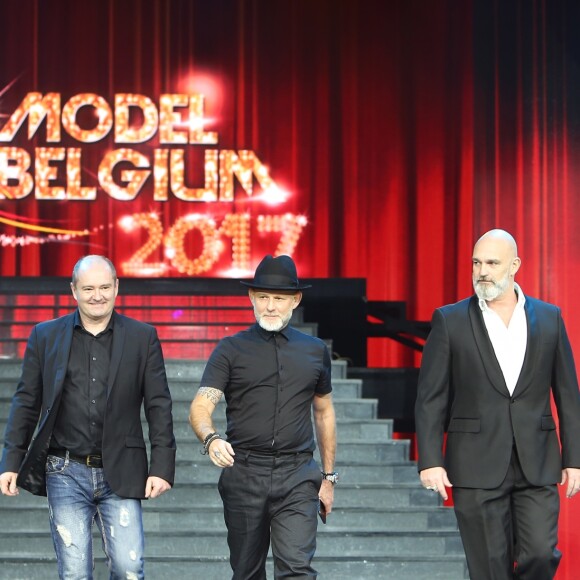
[178,122]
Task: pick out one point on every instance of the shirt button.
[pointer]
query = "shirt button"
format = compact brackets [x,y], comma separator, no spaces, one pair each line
[93,401]
[94,358]
[93,380]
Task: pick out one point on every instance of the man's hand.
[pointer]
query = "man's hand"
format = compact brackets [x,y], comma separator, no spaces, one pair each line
[221,453]
[435,479]
[572,476]
[8,483]
[155,486]
[326,495]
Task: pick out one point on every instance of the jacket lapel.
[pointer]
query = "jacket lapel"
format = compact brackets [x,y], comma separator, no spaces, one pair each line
[485,347]
[117,351]
[63,354]
[532,346]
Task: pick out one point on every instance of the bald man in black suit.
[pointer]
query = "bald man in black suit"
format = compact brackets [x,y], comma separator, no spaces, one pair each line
[489,367]
[85,378]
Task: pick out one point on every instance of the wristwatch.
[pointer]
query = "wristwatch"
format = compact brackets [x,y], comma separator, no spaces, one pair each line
[331,476]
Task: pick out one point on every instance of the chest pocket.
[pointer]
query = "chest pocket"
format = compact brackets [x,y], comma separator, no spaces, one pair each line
[458,425]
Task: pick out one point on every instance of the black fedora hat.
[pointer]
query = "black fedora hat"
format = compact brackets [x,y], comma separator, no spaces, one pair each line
[276,274]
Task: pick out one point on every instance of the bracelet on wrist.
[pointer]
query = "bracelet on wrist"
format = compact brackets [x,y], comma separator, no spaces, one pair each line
[208,441]
[208,437]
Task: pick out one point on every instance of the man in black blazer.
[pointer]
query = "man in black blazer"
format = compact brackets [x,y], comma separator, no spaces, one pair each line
[84,379]
[489,367]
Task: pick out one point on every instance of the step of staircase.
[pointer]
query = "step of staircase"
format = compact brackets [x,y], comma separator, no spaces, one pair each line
[203,543]
[449,567]
[179,369]
[185,389]
[347,429]
[198,471]
[351,452]
[34,518]
[348,495]
[363,409]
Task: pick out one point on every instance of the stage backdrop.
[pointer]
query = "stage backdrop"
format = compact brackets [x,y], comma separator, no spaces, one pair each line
[366,138]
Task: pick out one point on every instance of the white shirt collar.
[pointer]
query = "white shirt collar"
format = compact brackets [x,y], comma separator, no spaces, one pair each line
[521,300]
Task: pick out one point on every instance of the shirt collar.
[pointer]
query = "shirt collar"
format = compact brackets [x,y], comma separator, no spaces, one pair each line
[77,323]
[521,300]
[267,334]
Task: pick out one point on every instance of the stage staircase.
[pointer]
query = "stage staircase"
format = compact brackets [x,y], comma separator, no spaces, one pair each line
[384,524]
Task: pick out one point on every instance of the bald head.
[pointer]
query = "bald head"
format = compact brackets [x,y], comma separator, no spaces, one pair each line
[500,237]
[495,263]
[87,262]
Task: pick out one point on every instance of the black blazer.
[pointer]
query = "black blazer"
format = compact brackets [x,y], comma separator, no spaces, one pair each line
[461,382]
[137,376]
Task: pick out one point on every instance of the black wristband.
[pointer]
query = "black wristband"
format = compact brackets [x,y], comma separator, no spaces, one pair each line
[208,437]
[208,441]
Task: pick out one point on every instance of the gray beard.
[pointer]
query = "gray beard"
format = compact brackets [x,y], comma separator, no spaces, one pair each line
[276,326]
[271,326]
[489,293]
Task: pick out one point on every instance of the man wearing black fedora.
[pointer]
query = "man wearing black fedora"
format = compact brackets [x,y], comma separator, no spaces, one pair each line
[271,375]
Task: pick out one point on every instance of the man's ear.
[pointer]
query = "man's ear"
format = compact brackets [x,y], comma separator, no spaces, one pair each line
[515,266]
[297,298]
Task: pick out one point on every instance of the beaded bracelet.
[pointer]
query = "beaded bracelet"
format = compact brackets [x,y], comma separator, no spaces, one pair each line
[207,442]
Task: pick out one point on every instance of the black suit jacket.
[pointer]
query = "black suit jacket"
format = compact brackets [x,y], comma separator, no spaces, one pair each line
[136,377]
[461,383]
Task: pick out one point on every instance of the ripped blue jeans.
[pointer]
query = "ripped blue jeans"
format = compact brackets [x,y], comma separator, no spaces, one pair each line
[77,497]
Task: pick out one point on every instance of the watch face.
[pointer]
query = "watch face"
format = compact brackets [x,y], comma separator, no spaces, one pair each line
[332,477]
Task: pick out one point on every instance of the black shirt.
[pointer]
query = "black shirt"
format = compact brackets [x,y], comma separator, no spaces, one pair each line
[269,380]
[79,424]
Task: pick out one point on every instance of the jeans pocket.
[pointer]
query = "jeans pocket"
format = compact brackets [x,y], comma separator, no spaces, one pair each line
[55,464]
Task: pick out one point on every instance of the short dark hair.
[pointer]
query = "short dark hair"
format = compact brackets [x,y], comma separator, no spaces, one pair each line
[77,267]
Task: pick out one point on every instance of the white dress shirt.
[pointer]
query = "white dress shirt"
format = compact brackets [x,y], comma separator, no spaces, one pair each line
[509,343]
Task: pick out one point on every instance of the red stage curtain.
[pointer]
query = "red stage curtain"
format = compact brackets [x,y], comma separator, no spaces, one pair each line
[404,130]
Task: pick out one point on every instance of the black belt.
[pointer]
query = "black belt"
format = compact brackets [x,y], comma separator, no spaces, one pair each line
[88,460]
[275,454]
[270,459]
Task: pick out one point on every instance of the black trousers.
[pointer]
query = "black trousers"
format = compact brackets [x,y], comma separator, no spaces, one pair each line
[516,523]
[271,498]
